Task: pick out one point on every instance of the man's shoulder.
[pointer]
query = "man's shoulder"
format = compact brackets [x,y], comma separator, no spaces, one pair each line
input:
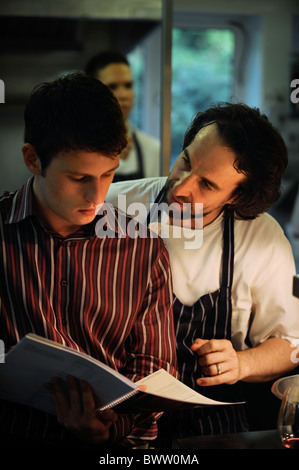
[141,184]
[6,197]
[143,190]
[6,202]
[261,234]
[264,222]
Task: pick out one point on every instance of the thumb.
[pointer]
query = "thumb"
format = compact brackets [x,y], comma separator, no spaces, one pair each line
[198,343]
[107,416]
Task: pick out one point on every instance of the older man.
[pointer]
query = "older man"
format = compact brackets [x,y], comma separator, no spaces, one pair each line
[235,316]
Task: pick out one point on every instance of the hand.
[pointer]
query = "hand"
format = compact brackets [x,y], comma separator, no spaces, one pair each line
[78,413]
[217,352]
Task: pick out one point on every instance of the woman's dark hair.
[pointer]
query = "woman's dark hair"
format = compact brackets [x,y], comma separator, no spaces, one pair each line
[74,112]
[261,153]
[102,59]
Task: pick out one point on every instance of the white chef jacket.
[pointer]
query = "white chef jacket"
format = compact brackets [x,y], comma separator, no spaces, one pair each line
[262,300]
[150,154]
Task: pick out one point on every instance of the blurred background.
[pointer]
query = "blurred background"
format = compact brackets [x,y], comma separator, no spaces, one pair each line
[185,55]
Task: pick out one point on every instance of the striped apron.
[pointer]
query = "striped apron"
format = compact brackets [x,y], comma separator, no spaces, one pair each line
[208,318]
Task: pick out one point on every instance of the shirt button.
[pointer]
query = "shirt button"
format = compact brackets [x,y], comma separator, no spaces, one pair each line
[63,283]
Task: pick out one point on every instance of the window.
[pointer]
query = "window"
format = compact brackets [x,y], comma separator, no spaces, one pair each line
[202,74]
[136,60]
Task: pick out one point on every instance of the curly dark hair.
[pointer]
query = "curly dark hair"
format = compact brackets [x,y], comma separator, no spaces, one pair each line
[74,112]
[261,153]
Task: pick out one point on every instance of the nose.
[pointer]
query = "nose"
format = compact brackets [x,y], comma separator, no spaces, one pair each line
[184,185]
[122,93]
[95,193]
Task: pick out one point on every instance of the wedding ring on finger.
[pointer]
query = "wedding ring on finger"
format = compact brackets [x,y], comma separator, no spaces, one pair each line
[218,369]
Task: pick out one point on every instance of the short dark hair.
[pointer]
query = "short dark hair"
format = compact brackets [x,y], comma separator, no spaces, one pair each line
[102,59]
[261,153]
[73,112]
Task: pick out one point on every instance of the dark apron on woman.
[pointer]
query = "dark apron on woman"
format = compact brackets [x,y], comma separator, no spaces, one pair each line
[208,318]
[136,174]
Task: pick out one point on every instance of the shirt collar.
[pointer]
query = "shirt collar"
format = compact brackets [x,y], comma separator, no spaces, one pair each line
[22,203]
[23,206]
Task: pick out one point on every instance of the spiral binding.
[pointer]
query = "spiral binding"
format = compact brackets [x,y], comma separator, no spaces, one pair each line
[119,400]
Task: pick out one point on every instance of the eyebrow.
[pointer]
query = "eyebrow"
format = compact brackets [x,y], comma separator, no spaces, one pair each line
[78,173]
[203,178]
[126,83]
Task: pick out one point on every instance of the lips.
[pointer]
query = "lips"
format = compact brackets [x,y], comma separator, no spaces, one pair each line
[182,206]
[88,211]
[174,200]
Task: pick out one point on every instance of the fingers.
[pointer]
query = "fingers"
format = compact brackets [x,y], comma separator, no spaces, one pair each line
[76,410]
[210,355]
[207,346]
[107,417]
[213,369]
[218,361]
[198,343]
[59,397]
[80,394]
[87,397]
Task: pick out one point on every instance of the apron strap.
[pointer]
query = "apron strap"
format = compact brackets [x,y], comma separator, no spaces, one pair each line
[139,155]
[158,200]
[228,249]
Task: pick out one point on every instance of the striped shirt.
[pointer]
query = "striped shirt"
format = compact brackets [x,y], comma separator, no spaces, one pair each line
[108,297]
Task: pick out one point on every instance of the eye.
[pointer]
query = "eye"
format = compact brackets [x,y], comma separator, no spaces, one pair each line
[109,174]
[186,160]
[206,185]
[82,179]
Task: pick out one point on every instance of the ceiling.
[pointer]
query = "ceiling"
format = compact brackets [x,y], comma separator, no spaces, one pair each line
[33,34]
[38,48]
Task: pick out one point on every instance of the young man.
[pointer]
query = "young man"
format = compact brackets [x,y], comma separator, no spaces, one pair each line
[108,297]
[141,157]
[235,316]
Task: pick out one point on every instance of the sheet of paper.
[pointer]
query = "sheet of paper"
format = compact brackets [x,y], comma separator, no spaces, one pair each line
[163,384]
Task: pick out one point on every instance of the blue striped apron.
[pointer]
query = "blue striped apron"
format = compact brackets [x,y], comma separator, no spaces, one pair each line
[208,318]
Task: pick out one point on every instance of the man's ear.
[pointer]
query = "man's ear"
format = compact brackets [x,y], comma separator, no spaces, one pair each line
[31,159]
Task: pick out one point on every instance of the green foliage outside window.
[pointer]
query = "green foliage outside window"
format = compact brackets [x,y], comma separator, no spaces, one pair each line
[202,74]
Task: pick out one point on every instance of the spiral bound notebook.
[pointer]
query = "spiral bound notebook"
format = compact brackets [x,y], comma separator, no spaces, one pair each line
[34,361]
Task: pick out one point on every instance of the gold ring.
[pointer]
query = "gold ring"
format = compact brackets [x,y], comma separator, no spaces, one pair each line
[218,369]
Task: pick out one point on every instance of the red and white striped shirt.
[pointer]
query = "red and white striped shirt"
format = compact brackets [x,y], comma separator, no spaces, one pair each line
[108,297]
